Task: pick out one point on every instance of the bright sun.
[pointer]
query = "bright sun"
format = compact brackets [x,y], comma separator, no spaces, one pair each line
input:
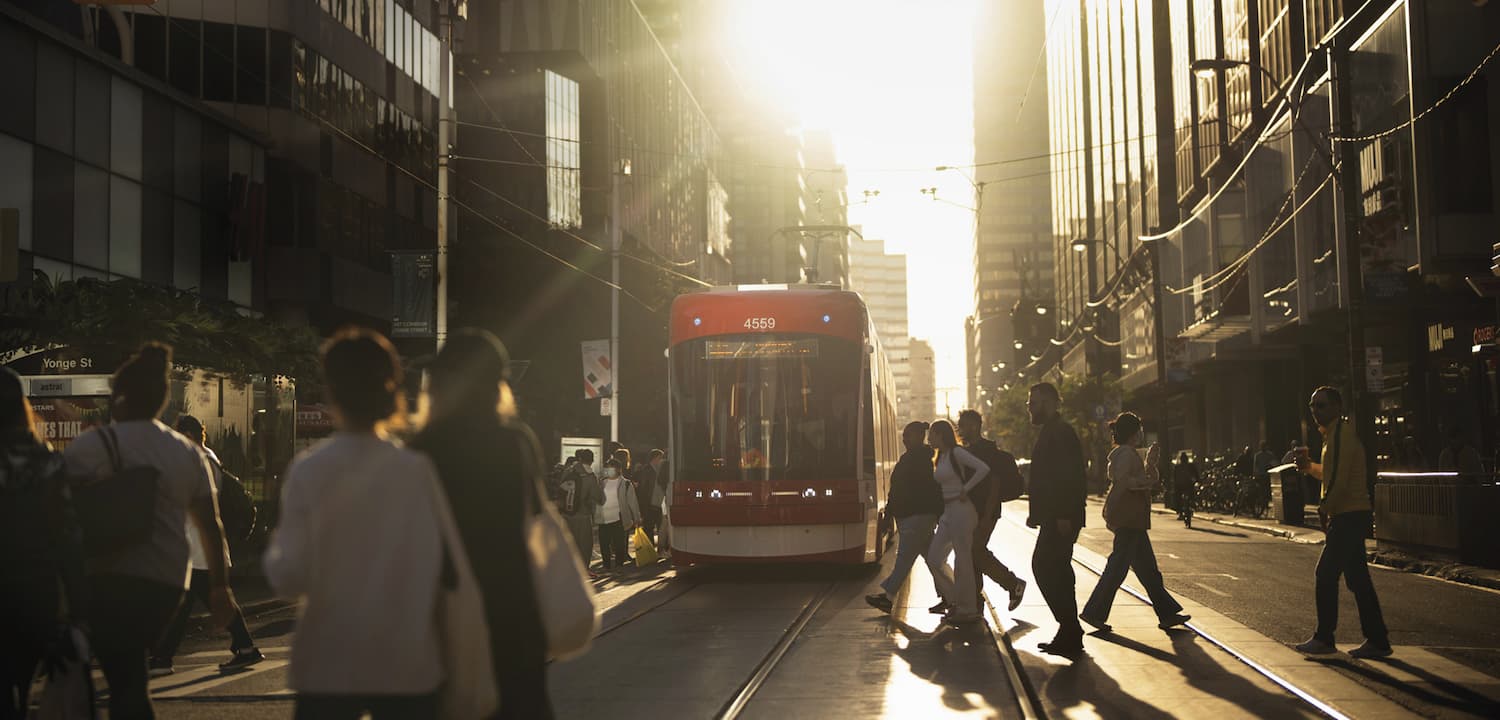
[893,81]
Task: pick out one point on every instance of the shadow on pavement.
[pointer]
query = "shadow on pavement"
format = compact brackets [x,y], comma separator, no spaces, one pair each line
[1445,692]
[1222,533]
[953,658]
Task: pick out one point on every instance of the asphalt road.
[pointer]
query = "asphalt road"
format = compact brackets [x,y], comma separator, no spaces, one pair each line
[1266,583]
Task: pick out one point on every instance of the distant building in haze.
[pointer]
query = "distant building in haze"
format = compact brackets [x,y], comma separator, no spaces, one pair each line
[921,401]
[880,278]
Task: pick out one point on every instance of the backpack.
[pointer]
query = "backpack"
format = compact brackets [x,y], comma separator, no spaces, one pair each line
[567,501]
[236,507]
[1008,481]
[118,512]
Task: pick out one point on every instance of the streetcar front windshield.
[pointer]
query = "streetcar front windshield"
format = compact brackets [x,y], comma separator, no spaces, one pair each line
[765,407]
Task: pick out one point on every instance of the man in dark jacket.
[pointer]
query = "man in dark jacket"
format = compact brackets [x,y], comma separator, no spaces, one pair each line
[491,467]
[915,503]
[986,499]
[578,494]
[647,482]
[1057,500]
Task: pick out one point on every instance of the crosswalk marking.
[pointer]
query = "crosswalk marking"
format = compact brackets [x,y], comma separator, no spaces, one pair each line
[205,682]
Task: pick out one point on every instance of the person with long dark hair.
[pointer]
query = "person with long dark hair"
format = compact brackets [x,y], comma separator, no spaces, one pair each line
[1127,513]
[42,587]
[134,591]
[491,466]
[360,546]
[957,472]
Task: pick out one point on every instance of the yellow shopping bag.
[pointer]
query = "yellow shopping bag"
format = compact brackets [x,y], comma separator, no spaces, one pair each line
[645,550]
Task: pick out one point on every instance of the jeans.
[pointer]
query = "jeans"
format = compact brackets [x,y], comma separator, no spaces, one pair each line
[128,616]
[915,537]
[380,707]
[239,634]
[581,525]
[612,544]
[1344,554]
[1131,551]
[955,533]
[985,562]
[1052,567]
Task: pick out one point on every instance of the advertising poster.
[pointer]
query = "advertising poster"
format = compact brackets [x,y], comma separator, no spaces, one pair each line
[597,376]
[60,420]
[414,294]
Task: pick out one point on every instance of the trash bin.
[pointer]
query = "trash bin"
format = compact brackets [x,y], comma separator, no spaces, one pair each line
[1286,497]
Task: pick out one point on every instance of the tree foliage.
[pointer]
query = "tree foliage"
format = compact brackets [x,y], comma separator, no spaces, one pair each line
[1011,425]
[125,313]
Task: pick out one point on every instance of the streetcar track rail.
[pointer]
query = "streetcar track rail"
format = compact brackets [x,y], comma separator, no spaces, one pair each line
[767,665]
[1027,698]
[1312,701]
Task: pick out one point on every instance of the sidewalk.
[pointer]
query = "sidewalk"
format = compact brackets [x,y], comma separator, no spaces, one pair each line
[1310,534]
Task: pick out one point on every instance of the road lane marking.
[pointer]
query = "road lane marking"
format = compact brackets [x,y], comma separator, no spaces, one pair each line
[194,687]
[1215,591]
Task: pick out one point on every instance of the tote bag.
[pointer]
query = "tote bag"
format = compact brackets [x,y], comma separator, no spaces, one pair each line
[563,595]
[468,689]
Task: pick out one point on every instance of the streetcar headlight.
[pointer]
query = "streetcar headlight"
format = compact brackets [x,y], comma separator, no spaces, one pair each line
[697,321]
[827,319]
[809,493]
[715,494]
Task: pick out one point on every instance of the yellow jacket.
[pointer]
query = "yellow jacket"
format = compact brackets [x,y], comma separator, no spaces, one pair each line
[1346,492]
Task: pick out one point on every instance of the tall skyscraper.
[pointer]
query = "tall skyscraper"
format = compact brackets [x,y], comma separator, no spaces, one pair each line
[921,401]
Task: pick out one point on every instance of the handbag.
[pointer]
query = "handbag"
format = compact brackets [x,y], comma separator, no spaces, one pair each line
[468,689]
[117,512]
[564,598]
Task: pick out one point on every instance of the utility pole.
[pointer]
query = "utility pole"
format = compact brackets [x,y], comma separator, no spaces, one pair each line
[1350,243]
[623,168]
[445,124]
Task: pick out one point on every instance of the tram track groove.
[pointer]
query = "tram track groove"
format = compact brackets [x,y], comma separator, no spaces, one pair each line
[747,690]
[1027,698]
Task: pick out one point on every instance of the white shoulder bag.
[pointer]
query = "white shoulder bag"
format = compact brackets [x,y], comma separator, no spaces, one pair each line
[563,596]
[468,690]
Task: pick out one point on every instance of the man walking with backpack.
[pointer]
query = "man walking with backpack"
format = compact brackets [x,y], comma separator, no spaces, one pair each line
[1003,483]
[578,494]
[237,513]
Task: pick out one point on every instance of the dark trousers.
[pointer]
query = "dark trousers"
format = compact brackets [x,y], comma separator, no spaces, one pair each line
[651,519]
[612,552]
[128,615]
[523,693]
[1132,551]
[985,562]
[1344,554]
[380,707]
[239,634]
[1052,567]
[28,621]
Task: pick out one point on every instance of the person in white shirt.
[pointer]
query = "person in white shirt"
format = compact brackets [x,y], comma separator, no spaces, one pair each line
[134,590]
[957,472]
[241,645]
[617,516]
[360,546]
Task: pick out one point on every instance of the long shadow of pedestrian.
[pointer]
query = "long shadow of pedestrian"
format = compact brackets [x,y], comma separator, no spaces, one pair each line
[1223,533]
[1084,682]
[958,659]
[1452,694]
[1209,674]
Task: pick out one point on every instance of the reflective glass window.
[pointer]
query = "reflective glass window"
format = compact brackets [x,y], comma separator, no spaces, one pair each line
[90,216]
[91,114]
[124,227]
[125,128]
[54,97]
[16,182]
[187,245]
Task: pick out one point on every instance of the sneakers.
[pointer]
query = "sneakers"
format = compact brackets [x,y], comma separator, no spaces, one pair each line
[1316,647]
[241,660]
[1371,650]
[879,601]
[1099,625]
[1063,647]
[1174,620]
[1015,595]
[160,668]
[941,608]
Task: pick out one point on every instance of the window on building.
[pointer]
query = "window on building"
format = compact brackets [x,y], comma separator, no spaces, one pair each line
[250,65]
[91,114]
[124,228]
[564,187]
[90,216]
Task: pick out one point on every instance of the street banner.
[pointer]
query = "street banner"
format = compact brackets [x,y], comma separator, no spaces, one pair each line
[413,294]
[597,376]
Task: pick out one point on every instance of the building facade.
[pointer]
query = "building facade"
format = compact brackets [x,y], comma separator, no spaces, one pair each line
[880,278]
[572,115]
[1013,235]
[1210,268]
[921,401]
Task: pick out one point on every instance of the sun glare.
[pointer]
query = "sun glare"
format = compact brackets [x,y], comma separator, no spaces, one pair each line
[893,82]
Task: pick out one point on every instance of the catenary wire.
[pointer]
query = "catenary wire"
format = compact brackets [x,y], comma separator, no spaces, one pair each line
[1430,109]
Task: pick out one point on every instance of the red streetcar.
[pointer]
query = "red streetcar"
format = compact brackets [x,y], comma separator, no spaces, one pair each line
[783,422]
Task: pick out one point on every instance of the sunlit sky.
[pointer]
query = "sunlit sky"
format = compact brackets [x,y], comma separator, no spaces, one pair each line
[893,81]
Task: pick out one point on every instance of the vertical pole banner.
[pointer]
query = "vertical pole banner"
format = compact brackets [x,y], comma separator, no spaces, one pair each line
[413,294]
[597,369]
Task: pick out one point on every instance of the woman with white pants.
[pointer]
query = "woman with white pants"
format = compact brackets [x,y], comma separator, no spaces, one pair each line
[957,471]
